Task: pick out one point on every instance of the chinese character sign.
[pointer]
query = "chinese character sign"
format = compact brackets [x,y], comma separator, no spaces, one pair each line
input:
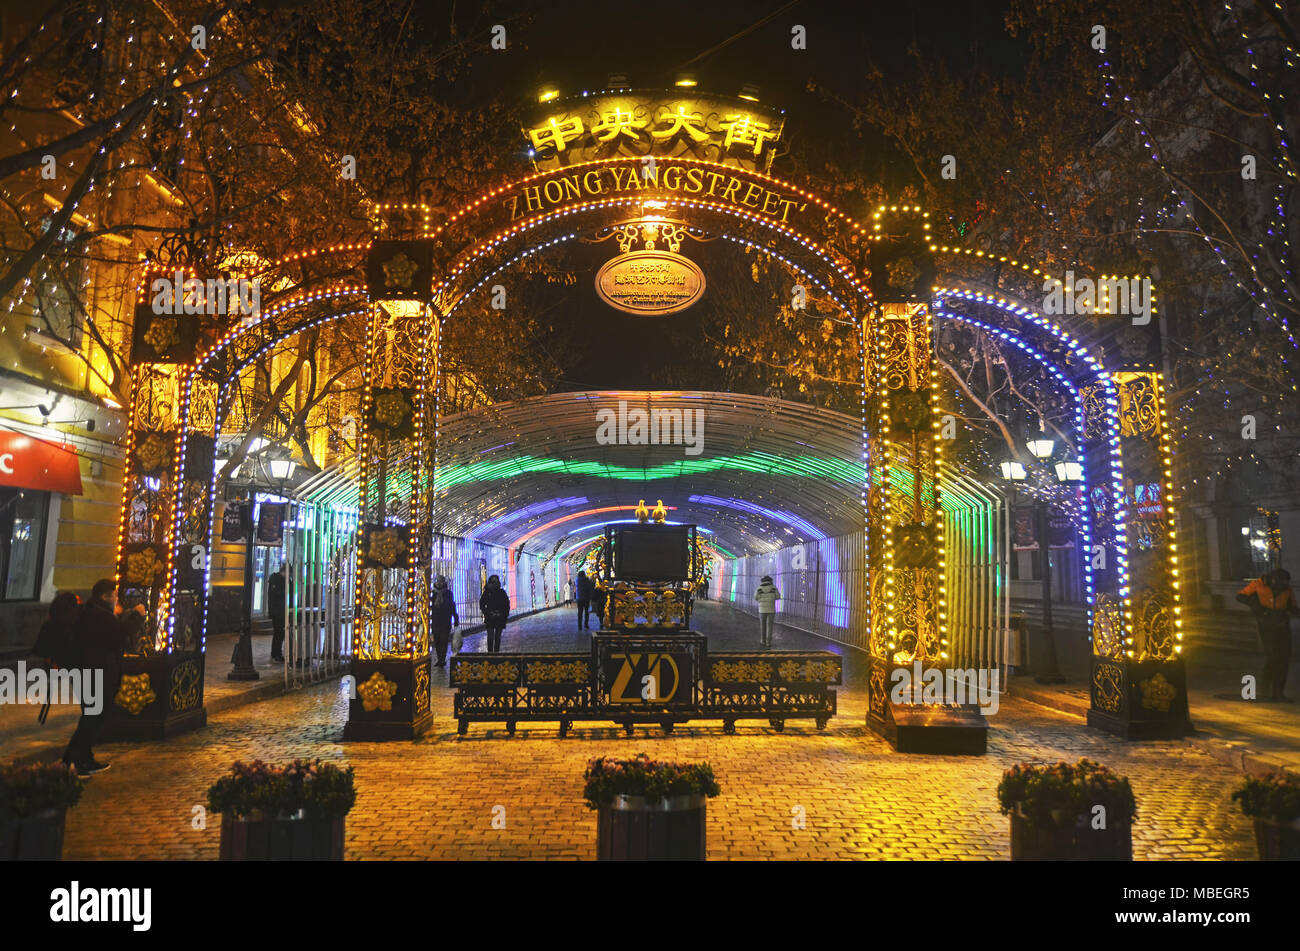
[717,128]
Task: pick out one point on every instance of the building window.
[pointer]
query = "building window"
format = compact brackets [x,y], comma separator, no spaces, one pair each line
[1262,542]
[24,514]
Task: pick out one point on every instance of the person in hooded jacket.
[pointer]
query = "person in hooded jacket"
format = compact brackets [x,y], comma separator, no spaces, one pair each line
[495,604]
[1273,603]
[767,595]
[56,643]
[442,615]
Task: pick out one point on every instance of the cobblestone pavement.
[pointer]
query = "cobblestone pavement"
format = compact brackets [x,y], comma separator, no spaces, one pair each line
[435,798]
[24,738]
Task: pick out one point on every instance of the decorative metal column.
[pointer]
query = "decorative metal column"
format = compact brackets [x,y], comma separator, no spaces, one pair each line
[162,555]
[390,663]
[909,624]
[1138,680]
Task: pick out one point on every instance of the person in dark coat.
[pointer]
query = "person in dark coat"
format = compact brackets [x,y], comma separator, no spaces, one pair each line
[103,632]
[275,591]
[599,598]
[584,600]
[59,632]
[1273,603]
[442,615]
[56,644]
[495,604]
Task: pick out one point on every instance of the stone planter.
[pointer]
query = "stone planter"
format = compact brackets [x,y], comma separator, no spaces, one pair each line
[634,829]
[37,838]
[282,839]
[1278,841]
[1038,842]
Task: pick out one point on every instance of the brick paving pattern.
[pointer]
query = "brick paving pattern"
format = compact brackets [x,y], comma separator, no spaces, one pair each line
[434,799]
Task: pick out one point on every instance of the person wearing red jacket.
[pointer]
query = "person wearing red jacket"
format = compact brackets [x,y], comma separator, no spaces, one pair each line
[1273,603]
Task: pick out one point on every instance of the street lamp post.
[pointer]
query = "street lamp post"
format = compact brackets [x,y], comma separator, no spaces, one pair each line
[243,659]
[281,469]
[1048,672]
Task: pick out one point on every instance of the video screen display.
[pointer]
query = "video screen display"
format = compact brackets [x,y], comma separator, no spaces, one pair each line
[652,553]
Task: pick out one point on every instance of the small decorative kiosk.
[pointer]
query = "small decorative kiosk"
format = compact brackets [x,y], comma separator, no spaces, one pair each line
[645,664]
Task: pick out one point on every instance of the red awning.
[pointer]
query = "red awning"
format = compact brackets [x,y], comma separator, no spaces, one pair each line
[27,463]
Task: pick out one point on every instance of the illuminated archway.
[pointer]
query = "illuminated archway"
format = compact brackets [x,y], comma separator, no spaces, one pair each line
[888,278]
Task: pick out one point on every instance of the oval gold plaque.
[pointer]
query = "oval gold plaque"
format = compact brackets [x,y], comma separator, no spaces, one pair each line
[650,283]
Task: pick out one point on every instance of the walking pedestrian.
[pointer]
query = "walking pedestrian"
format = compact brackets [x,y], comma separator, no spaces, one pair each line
[568,593]
[766,595]
[584,601]
[1273,602]
[442,615]
[495,604]
[275,599]
[599,598]
[103,631]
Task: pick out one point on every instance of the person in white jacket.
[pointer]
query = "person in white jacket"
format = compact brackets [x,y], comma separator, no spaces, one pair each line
[766,595]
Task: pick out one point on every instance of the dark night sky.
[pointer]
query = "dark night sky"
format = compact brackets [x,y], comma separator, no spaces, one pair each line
[577,44]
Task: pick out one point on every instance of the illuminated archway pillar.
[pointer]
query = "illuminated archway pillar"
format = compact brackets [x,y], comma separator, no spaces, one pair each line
[162,558]
[1138,683]
[905,532]
[390,633]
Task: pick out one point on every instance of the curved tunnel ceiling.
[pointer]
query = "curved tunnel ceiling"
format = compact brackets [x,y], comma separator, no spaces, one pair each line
[542,475]
[759,474]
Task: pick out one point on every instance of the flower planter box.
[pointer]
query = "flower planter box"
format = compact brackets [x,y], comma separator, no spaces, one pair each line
[1278,841]
[1049,842]
[37,838]
[283,839]
[634,829]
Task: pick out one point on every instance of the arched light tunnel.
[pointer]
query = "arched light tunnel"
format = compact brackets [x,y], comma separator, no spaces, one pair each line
[524,488]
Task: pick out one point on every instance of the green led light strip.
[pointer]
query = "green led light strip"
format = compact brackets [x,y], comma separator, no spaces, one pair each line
[837,470]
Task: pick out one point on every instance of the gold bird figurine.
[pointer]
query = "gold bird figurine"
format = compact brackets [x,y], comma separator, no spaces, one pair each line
[659,514]
[642,513]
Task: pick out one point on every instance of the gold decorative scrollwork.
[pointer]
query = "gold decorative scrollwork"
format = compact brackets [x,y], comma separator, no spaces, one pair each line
[626,235]
[575,672]
[876,692]
[185,686]
[880,635]
[1094,411]
[1139,412]
[488,672]
[1155,627]
[896,367]
[742,672]
[157,400]
[203,407]
[421,688]
[1108,627]
[1107,686]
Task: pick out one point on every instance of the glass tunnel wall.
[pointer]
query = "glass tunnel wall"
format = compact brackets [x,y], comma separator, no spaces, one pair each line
[823,582]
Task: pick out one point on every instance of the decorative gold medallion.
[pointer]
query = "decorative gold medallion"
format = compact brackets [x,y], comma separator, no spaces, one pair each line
[135,693]
[650,283]
[377,693]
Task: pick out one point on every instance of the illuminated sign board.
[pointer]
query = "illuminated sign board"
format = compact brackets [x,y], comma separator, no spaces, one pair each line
[650,283]
[650,181]
[630,123]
